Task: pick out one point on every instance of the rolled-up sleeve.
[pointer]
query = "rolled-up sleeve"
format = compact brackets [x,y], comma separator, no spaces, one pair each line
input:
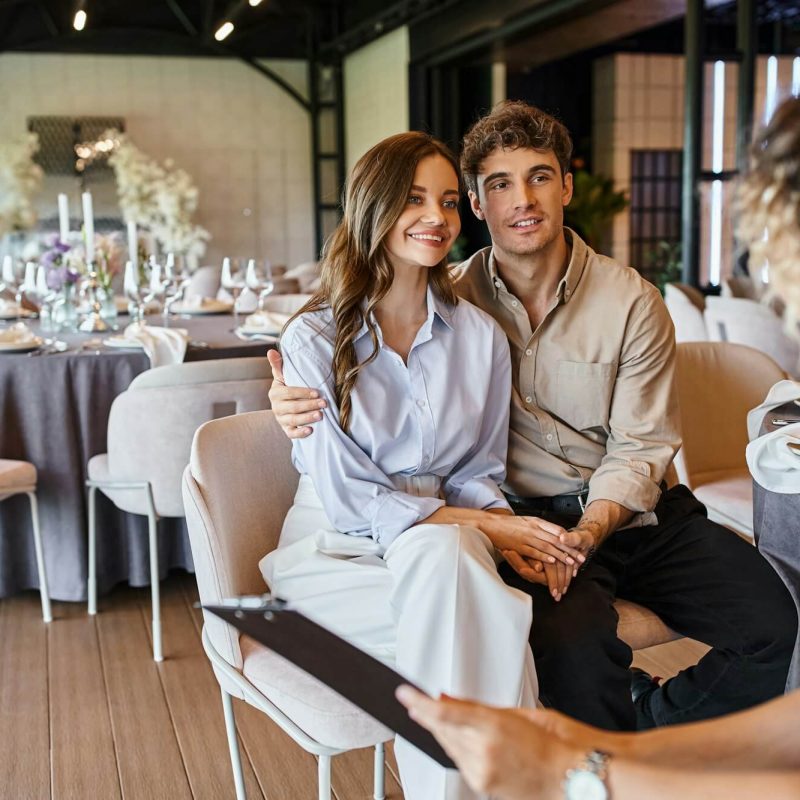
[644,424]
[357,496]
[474,483]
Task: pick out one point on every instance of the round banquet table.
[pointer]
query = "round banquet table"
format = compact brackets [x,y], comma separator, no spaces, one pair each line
[54,412]
[776,525]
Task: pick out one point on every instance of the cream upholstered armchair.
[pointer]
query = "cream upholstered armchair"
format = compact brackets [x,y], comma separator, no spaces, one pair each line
[150,432]
[19,477]
[685,305]
[237,489]
[718,383]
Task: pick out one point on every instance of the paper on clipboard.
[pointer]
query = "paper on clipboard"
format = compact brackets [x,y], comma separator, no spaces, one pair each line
[352,673]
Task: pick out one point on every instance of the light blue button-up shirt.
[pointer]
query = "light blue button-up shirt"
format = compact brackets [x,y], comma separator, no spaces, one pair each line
[445,414]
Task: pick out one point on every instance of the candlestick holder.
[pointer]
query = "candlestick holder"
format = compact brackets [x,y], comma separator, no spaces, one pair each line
[90,291]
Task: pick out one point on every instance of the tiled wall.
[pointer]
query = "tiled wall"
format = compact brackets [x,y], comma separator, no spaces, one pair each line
[638,104]
[244,140]
[376,92]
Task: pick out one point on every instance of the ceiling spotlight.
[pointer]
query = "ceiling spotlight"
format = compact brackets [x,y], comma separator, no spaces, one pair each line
[223,31]
[255,3]
[79,23]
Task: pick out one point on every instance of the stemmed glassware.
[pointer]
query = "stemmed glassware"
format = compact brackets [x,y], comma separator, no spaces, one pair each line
[258,278]
[45,297]
[26,288]
[175,281]
[134,292]
[233,280]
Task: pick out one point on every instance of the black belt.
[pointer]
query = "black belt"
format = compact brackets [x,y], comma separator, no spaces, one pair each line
[560,504]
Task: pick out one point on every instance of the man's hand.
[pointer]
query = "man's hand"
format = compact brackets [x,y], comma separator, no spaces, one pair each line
[502,752]
[600,519]
[295,408]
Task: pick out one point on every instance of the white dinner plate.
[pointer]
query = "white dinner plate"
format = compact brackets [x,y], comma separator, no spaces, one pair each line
[208,307]
[21,347]
[122,343]
[24,314]
[257,332]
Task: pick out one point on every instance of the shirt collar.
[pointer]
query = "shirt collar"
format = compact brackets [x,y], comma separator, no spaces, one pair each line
[437,309]
[566,286]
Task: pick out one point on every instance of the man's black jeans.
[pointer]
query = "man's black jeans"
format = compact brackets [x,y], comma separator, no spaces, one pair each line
[703,581]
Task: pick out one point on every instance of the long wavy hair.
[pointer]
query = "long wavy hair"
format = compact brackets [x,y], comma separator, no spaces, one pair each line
[768,205]
[355,270]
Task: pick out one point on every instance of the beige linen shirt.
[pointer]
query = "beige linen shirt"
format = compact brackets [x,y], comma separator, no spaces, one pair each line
[593,403]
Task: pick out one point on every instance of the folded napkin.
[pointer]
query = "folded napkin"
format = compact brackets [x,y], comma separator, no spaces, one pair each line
[782,392]
[266,321]
[773,463]
[9,307]
[196,302]
[17,334]
[162,345]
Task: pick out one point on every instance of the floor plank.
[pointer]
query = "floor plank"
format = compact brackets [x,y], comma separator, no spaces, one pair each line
[24,715]
[666,660]
[84,762]
[148,755]
[193,697]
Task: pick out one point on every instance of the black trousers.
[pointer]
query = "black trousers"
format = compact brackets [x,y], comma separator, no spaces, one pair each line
[704,582]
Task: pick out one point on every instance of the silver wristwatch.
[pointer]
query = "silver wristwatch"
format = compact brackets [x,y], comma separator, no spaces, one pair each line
[588,780]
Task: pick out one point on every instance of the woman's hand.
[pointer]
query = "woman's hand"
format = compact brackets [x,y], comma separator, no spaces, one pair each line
[504,752]
[295,408]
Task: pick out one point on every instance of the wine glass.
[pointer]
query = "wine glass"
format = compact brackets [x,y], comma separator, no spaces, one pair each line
[26,288]
[134,293]
[175,281]
[258,278]
[8,276]
[233,279]
[45,297]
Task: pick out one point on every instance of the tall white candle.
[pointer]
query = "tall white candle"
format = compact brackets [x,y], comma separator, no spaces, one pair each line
[8,272]
[29,284]
[133,244]
[41,281]
[88,226]
[63,217]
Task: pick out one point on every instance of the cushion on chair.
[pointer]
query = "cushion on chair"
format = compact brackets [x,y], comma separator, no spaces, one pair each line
[729,501]
[16,476]
[639,627]
[192,373]
[312,706]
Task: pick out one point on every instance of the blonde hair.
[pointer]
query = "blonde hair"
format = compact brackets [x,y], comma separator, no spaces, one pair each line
[768,206]
[355,265]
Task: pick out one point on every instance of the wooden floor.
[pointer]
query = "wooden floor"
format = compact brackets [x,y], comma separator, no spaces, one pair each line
[86,713]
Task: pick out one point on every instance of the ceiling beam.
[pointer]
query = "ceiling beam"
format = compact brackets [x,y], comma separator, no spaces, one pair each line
[188,25]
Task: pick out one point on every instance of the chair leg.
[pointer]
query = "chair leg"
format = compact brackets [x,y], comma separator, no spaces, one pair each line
[37,544]
[379,789]
[233,745]
[91,583]
[324,773]
[154,575]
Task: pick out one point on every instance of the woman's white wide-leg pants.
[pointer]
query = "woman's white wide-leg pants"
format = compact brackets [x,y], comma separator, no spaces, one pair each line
[433,606]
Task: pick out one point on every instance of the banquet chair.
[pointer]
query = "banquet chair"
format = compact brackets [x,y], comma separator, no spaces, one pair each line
[742,321]
[141,472]
[306,274]
[19,477]
[717,384]
[686,316]
[237,488]
[742,286]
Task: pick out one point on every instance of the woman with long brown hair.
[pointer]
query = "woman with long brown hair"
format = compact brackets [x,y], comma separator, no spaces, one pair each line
[392,537]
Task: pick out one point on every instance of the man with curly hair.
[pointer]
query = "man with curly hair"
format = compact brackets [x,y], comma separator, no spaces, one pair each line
[594,427]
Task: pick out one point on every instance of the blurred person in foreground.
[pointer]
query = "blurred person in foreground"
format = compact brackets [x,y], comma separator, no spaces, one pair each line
[516,754]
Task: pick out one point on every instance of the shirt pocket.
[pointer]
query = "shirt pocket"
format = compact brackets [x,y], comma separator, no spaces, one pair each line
[584,391]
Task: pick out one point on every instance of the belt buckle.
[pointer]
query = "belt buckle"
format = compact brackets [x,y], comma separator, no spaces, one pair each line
[582,503]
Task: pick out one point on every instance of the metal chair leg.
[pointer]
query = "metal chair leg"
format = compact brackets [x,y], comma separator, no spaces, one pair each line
[154,575]
[379,788]
[37,544]
[233,745]
[91,583]
[324,773]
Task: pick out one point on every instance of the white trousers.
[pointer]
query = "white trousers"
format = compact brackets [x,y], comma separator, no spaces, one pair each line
[433,606]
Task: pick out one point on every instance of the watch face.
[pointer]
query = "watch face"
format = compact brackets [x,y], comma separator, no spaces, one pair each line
[585,785]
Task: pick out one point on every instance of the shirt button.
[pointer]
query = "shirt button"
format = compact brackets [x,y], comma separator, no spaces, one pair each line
[421,403]
[528,399]
[528,352]
[549,437]
[514,303]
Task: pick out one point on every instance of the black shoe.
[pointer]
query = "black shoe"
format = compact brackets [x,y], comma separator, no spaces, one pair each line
[643,684]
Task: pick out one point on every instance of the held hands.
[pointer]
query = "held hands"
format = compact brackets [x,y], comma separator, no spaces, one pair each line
[295,408]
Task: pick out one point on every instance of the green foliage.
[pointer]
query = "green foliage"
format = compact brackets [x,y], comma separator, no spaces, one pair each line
[594,204]
[665,264]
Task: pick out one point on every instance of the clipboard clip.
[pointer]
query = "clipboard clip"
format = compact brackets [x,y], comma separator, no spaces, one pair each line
[265,603]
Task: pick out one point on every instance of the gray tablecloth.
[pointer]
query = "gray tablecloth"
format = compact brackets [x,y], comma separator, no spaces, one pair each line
[54,412]
[776,524]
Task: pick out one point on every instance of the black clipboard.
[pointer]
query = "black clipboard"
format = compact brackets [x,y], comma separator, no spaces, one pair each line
[350,672]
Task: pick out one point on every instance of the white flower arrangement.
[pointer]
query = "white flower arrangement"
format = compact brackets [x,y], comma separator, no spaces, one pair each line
[20,180]
[160,198]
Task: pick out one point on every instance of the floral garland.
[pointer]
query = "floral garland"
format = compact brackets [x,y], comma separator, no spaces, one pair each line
[20,179]
[161,198]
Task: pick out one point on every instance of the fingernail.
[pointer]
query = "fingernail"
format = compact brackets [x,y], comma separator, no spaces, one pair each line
[314,395]
[574,573]
[551,560]
[321,404]
[317,415]
[581,558]
[570,561]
